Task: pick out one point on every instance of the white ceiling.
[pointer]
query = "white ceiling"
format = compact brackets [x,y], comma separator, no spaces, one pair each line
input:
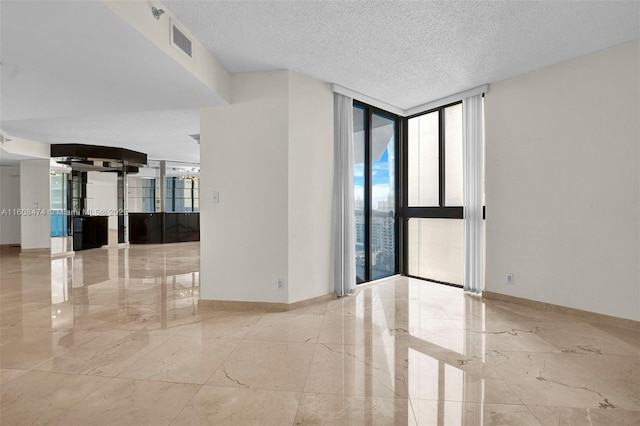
[160,134]
[75,72]
[406,53]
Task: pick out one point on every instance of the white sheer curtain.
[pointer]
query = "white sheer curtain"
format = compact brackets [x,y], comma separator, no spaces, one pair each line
[343,210]
[473,158]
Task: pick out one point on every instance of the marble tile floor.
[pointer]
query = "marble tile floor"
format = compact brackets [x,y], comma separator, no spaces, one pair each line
[116,337]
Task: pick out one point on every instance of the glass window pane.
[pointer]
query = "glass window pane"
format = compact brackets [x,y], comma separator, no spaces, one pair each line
[423,155]
[358,189]
[436,249]
[453,155]
[383,242]
[58,206]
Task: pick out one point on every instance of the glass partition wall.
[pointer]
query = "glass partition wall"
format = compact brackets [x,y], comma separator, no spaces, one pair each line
[178,185]
[182,183]
[59,205]
[164,200]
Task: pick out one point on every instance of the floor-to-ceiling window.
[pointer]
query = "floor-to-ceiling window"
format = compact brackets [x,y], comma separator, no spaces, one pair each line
[374,173]
[433,215]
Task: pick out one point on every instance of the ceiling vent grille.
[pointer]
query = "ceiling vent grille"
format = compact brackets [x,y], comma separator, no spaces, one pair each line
[180,40]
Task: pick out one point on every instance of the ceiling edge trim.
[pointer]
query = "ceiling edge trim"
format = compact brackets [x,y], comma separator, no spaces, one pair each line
[336,88]
[366,99]
[447,100]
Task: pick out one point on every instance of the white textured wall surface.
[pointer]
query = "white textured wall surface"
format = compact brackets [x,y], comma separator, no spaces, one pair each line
[35,193]
[563,183]
[269,155]
[102,193]
[244,155]
[9,200]
[102,197]
[310,188]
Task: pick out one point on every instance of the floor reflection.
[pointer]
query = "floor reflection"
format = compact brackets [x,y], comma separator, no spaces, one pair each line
[122,286]
[116,336]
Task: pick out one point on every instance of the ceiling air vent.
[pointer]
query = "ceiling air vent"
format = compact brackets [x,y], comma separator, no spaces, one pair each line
[180,40]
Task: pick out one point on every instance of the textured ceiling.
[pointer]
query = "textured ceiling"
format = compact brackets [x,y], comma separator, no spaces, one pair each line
[405,53]
[72,71]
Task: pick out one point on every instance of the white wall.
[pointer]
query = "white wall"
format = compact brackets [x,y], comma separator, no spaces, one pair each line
[243,155]
[102,200]
[26,148]
[270,156]
[563,183]
[310,188]
[35,193]
[9,200]
[102,194]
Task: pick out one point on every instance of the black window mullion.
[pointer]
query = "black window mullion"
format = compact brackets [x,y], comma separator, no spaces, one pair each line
[434,212]
[368,265]
[441,154]
[398,228]
[173,194]
[193,195]
[405,196]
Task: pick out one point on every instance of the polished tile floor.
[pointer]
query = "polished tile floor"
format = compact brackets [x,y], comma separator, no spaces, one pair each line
[115,337]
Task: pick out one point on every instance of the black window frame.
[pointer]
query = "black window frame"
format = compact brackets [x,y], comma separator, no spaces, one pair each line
[369,110]
[441,211]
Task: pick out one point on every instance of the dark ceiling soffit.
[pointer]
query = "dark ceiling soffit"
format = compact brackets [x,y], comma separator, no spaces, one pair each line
[76,150]
[89,166]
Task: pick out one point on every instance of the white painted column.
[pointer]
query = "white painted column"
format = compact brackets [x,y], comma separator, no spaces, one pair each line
[35,202]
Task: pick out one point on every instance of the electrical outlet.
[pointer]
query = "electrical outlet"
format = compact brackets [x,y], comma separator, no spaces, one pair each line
[508,279]
[280,284]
